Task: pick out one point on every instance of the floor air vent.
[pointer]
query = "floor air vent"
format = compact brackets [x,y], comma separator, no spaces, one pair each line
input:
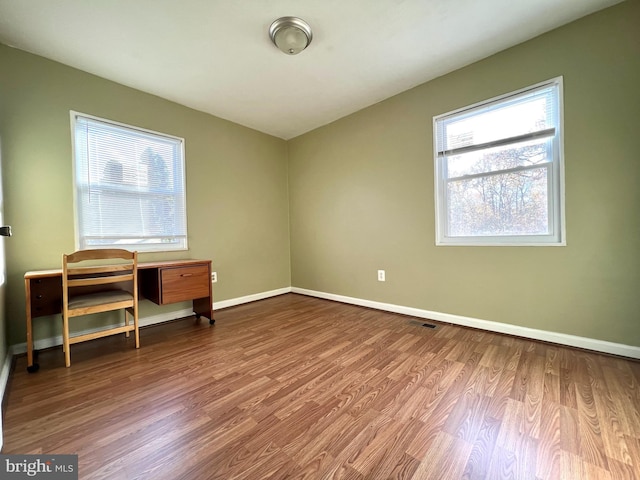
[421,324]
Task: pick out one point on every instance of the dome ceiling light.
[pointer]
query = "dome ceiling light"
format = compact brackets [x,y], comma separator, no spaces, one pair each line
[290,34]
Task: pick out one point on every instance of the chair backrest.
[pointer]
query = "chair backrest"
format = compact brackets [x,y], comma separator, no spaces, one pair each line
[97,270]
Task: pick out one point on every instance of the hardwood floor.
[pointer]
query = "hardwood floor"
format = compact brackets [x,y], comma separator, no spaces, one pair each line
[296,387]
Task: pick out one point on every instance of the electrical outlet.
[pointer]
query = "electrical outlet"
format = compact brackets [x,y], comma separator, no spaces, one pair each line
[214,277]
[381,276]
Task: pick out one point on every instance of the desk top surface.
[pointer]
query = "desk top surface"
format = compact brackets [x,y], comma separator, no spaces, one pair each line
[141,266]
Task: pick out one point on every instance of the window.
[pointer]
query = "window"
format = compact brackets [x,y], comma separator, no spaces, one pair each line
[129,187]
[499,170]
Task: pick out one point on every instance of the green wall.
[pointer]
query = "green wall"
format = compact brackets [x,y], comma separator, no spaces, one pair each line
[362,195]
[357,195]
[237,192]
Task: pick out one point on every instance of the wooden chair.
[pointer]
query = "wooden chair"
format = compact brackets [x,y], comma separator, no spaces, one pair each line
[95,281]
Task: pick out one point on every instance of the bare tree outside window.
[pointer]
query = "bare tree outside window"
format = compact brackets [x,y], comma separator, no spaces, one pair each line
[502,203]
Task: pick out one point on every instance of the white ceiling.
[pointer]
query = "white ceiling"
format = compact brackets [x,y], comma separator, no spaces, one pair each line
[216,56]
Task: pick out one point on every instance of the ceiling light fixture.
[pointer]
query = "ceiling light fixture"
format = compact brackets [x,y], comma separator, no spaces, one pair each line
[290,34]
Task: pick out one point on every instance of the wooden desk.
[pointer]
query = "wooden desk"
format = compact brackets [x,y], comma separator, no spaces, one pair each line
[161,282]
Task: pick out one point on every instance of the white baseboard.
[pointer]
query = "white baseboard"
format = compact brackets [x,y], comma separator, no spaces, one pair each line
[5,369]
[152,319]
[532,333]
[49,342]
[250,298]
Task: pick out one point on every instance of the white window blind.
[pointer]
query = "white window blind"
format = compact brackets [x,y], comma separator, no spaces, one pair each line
[129,187]
[499,170]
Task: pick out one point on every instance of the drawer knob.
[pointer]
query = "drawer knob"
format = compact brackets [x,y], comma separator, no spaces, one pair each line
[39,297]
[186,274]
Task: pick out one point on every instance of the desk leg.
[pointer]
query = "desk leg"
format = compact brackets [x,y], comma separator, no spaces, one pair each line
[31,365]
[202,307]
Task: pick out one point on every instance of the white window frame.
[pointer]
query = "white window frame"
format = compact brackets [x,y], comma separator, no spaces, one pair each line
[555,178]
[179,242]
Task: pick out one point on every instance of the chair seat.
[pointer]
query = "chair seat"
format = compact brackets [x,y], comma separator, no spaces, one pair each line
[98,298]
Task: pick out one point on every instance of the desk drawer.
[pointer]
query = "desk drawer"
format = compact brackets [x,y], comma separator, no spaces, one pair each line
[184,283]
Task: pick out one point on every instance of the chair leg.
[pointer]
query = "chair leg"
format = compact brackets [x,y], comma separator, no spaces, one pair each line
[126,322]
[136,327]
[63,347]
[65,340]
